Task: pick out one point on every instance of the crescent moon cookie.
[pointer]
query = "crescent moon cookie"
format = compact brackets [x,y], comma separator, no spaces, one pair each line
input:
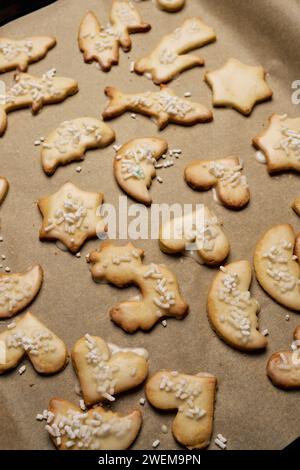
[193,396]
[231,310]
[17,291]
[207,239]
[101,44]
[283,368]
[34,92]
[238,86]
[97,429]
[171,56]
[163,106]
[134,166]
[4,187]
[276,266]
[17,54]
[105,370]
[71,216]
[160,296]
[29,336]
[224,175]
[71,139]
[170,6]
[280,144]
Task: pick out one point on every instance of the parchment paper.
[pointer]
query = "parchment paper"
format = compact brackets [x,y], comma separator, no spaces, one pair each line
[250,412]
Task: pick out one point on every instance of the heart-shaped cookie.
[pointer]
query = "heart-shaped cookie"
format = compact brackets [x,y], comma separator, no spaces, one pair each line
[105,370]
[97,429]
[28,336]
[193,396]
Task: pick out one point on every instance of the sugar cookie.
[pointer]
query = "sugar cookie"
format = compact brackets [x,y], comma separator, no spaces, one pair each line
[171,56]
[29,336]
[101,44]
[71,216]
[232,311]
[71,139]
[160,296]
[134,166]
[34,92]
[105,370]
[163,106]
[280,144]
[170,5]
[283,368]
[17,291]
[97,429]
[194,398]
[19,53]
[239,86]
[207,239]
[4,187]
[225,175]
[276,267]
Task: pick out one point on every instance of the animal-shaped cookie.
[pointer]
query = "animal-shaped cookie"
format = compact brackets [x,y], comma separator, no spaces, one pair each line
[34,92]
[105,370]
[238,86]
[71,216]
[17,291]
[29,336]
[283,368]
[232,311]
[193,396]
[4,186]
[296,205]
[160,296]
[225,175]
[97,429]
[171,56]
[101,44]
[276,266]
[170,6]
[134,166]
[71,139]
[18,53]
[163,106]
[280,143]
[206,237]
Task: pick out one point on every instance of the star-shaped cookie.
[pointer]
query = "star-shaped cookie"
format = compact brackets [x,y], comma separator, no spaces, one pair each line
[71,216]
[238,86]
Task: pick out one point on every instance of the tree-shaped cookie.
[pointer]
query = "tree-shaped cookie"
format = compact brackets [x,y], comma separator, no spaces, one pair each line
[170,57]
[4,186]
[162,106]
[18,290]
[276,266]
[160,296]
[18,53]
[187,234]
[105,370]
[29,336]
[34,92]
[224,175]
[193,396]
[71,139]
[134,166]
[280,143]
[71,216]
[97,429]
[232,311]
[101,44]
[239,86]
[283,368]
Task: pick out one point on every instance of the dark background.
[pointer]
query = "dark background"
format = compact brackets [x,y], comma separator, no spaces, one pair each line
[11,9]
